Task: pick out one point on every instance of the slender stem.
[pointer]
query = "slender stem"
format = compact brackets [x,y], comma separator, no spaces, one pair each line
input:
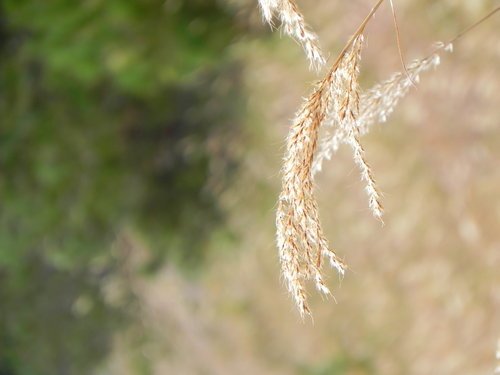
[361,27]
[358,32]
[398,42]
[463,32]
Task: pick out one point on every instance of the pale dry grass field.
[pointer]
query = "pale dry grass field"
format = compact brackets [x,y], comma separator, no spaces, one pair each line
[421,294]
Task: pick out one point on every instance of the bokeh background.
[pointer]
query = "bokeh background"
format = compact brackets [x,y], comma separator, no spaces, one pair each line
[140,147]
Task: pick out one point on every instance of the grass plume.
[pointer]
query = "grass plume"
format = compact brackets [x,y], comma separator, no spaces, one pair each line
[300,239]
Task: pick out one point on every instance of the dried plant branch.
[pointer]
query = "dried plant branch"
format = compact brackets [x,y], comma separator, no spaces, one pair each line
[293,24]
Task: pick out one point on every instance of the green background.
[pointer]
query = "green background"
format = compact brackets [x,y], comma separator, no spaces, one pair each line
[114,115]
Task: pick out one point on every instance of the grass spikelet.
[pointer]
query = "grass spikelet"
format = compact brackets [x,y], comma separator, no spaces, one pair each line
[294,25]
[379,102]
[346,112]
[268,8]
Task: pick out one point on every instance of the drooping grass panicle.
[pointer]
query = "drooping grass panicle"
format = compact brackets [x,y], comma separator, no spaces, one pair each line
[294,25]
[300,239]
[378,103]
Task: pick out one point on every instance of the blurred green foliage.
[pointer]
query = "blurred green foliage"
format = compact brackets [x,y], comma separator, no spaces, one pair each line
[112,114]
